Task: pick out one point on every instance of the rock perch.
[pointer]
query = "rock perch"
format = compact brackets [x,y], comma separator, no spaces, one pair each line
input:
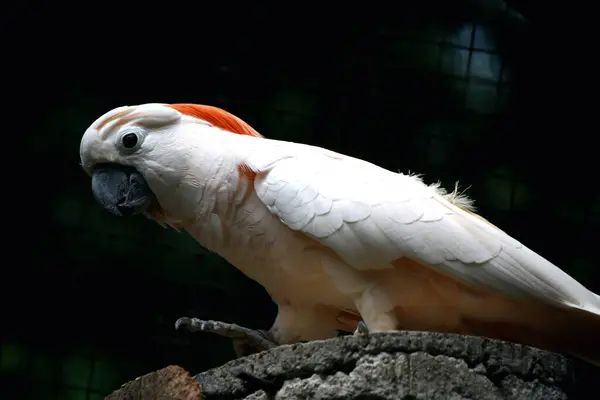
[399,365]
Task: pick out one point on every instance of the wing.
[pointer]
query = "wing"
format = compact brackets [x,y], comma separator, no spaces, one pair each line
[371,216]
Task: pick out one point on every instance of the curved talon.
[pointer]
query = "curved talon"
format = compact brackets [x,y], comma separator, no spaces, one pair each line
[196,325]
[182,321]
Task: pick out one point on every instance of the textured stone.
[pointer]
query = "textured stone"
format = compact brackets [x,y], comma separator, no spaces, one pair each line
[404,365]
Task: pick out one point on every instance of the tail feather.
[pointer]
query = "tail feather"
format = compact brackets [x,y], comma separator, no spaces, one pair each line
[573,332]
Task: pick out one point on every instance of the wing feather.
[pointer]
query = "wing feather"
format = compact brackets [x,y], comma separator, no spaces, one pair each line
[371,216]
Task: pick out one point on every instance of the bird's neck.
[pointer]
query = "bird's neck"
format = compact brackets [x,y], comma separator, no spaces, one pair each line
[219,213]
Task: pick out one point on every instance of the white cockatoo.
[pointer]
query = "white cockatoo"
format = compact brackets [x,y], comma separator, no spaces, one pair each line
[334,240]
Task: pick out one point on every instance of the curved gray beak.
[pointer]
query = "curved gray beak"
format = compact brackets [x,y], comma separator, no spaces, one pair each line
[121,190]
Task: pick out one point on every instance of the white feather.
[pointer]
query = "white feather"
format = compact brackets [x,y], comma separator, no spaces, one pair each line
[371,217]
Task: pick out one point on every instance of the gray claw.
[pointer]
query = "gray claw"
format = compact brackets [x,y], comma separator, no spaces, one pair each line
[361,329]
[246,341]
[182,321]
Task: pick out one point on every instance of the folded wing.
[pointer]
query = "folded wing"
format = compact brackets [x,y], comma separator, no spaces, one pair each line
[371,216]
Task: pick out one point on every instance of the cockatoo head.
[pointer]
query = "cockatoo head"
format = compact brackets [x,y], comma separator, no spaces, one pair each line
[140,156]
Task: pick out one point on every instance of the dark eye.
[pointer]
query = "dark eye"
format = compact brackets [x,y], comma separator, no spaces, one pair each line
[129,140]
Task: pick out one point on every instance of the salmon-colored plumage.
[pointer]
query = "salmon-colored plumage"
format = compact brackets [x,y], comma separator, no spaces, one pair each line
[217,117]
[336,240]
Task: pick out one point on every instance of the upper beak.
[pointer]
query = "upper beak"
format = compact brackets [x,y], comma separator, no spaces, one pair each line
[121,190]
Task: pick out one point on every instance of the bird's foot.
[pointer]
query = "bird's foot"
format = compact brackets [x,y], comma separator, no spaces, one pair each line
[361,329]
[246,341]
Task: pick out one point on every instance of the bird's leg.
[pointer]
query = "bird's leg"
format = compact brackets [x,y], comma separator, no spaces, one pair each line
[376,310]
[246,341]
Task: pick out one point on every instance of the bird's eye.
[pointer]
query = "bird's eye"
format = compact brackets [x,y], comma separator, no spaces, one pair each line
[129,140]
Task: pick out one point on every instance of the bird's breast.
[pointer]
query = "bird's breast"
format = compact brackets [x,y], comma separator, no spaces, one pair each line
[287,263]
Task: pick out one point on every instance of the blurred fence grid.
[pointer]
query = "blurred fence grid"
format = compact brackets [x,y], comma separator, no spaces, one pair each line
[53,377]
[469,57]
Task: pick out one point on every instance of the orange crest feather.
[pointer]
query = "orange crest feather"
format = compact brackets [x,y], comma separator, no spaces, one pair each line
[217,117]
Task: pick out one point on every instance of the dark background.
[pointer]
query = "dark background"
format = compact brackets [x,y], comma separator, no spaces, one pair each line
[456,90]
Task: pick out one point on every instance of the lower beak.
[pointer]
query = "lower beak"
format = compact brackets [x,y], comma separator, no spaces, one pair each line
[121,190]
